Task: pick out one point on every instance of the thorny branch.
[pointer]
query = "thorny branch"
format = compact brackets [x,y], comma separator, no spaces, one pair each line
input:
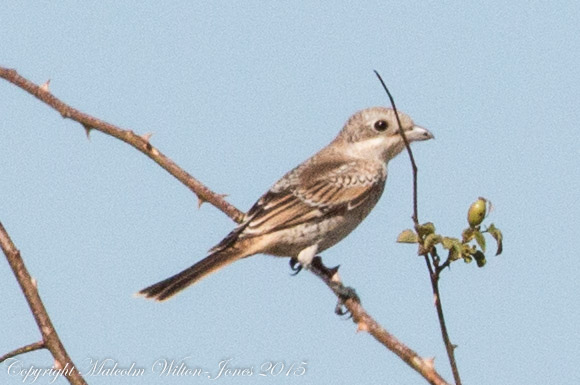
[50,339]
[140,143]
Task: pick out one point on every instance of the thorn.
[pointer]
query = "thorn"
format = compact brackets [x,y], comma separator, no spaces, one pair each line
[34,282]
[147,136]
[201,201]
[57,364]
[430,361]
[334,276]
[362,327]
[45,86]
[333,270]
[88,130]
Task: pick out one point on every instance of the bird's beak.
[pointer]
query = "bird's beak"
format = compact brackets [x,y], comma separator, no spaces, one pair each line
[418,133]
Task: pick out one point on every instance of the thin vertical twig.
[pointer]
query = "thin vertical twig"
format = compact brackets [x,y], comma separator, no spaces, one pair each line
[433,273]
[415,216]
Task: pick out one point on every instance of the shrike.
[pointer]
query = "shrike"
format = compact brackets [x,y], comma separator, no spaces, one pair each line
[316,204]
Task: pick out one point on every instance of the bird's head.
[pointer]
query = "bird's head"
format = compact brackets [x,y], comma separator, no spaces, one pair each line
[374,133]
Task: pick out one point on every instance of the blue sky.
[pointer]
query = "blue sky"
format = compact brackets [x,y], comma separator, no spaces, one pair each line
[237,95]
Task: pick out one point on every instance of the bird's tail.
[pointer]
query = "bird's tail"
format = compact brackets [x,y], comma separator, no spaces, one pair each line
[169,287]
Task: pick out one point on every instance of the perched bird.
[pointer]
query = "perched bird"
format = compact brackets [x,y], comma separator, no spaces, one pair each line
[315,205]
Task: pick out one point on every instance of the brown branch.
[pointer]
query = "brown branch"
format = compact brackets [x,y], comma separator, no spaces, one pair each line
[24,349]
[433,276]
[360,316]
[141,143]
[415,216]
[50,338]
[449,347]
[365,322]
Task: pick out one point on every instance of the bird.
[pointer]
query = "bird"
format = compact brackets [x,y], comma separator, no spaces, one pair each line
[316,204]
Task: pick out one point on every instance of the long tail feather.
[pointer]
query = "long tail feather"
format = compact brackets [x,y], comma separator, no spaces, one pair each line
[169,287]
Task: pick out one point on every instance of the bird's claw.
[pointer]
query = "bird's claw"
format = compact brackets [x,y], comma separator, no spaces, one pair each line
[344,293]
[295,266]
[340,310]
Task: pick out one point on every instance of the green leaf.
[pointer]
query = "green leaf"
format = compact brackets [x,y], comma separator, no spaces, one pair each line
[454,255]
[479,258]
[407,236]
[431,240]
[498,236]
[455,252]
[467,252]
[480,239]
[426,229]
[468,249]
[448,242]
[454,246]
[467,234]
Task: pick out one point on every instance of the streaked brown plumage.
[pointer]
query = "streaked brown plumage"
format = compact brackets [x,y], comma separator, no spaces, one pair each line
[315,205]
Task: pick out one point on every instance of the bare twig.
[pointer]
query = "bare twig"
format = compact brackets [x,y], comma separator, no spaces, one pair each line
[360,316]
[50,338]
[415,216]
[433,273]
[24,349]
[141,143]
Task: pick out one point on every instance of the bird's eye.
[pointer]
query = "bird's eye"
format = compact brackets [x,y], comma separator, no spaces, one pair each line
[381,125]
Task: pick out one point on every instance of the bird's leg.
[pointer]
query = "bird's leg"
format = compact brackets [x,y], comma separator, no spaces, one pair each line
[304,259]
[332,279]
[308,259]
[306,256]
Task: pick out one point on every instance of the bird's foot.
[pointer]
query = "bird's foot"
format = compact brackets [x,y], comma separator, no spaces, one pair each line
[344,293]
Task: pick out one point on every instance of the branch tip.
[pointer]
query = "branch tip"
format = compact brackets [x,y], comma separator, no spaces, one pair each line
[24,349]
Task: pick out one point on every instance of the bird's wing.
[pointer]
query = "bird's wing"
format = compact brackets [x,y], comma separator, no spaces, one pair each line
[311,194]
